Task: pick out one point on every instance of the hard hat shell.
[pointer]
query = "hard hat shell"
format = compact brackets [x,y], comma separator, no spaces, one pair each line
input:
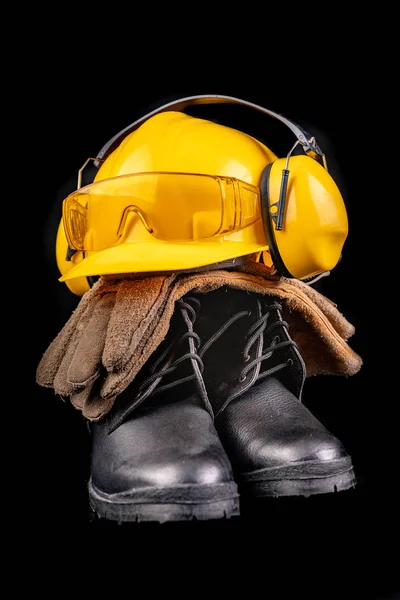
[175,142]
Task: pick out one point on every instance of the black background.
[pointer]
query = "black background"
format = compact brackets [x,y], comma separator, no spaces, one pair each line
[357,531]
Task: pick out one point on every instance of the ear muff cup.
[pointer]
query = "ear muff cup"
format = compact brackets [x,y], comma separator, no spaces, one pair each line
[315,224]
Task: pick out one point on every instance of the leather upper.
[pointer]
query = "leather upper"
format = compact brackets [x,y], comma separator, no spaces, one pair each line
[159,446]
[268,427]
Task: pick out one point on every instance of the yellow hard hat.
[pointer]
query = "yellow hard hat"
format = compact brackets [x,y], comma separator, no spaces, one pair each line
[178,193]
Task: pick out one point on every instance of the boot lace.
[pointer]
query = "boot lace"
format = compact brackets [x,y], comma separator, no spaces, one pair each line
[188,306]
[258,328]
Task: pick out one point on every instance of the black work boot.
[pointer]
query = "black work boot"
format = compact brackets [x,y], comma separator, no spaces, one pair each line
[254,376]
[157,456]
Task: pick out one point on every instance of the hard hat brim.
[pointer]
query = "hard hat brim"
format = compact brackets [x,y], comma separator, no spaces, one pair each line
[155,256]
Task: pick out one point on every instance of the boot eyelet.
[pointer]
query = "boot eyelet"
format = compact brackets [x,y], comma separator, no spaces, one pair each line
[277,339]
[242,378]
[247,358]
[249,313]
[289,361]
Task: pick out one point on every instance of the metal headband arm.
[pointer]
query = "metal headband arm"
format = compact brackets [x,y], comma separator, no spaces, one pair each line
[309,144]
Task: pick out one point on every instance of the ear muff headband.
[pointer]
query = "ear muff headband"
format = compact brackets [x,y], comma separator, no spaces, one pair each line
[309,144]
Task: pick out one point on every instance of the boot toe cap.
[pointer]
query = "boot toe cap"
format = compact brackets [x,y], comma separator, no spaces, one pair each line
[319,446]
[328,450]
[200,470]
[299,448]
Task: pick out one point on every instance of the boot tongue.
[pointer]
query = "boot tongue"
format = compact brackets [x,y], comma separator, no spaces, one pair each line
[292,376]
[227,357]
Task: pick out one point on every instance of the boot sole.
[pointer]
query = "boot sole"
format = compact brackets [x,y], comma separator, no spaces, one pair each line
[183,503]
[300,479]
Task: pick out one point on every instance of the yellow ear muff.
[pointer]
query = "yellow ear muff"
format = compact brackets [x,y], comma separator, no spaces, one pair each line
[314,218]
[79,285]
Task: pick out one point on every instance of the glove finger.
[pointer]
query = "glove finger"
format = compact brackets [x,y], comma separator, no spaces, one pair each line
[53,356]
[96,407]
[61,384]
[137,302]
[86,361]
[79,398]
[90,403]
[117,381]
[52,359]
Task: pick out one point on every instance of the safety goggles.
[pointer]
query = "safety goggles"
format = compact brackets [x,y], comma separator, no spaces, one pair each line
[171,206]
